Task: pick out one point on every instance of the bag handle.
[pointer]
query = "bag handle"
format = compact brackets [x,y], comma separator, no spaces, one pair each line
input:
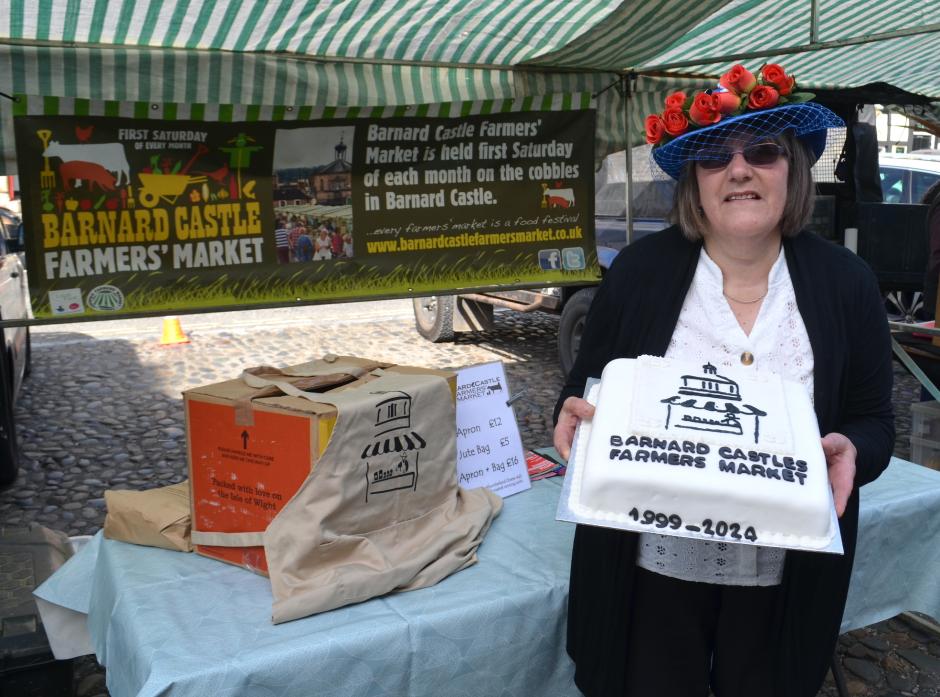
[298,381]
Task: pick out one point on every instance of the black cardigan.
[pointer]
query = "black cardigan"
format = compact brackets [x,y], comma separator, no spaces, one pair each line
[635,312]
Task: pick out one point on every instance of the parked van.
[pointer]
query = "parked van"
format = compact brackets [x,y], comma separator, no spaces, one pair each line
[906,178]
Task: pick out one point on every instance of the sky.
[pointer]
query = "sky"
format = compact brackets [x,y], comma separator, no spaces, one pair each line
[306,147]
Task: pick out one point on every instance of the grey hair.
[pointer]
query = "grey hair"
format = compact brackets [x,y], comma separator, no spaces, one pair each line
[687,208]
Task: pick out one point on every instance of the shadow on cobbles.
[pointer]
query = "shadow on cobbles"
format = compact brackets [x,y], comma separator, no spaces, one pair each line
[90,416]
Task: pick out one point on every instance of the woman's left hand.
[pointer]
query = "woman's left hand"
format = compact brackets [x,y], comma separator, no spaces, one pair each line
[840,458]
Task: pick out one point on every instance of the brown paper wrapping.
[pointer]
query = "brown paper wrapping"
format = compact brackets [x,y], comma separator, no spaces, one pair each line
[155,517]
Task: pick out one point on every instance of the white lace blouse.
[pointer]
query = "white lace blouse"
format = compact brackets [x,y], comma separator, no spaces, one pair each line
[707,331]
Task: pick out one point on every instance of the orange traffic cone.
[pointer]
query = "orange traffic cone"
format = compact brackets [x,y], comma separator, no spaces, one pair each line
[172,332]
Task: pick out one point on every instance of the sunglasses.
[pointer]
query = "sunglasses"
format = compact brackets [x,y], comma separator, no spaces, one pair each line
[757,155]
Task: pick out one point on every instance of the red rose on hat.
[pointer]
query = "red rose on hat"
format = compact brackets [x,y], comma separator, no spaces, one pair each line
[675,122]
[776,76]
[705,109]
[763,97]
[739,80]
[654,129]
[676,100]
[728,102]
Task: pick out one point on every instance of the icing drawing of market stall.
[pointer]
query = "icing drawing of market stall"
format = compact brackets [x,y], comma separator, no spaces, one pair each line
[183,158]
[710,402]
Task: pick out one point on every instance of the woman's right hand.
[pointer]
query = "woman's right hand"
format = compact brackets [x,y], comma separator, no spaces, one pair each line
[573,411]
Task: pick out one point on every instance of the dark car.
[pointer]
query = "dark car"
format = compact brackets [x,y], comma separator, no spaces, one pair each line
[14,304]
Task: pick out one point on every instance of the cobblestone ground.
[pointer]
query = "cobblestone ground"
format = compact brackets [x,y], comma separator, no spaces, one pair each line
[107,414]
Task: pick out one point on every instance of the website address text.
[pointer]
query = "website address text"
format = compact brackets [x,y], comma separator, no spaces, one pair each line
[473,239]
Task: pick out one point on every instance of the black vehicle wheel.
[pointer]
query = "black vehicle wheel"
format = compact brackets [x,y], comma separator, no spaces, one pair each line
[904,305]
[434,317]
[571,327]
[9,462]
[28,363]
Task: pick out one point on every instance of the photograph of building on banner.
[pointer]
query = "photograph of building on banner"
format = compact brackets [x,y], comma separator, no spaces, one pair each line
[146,215]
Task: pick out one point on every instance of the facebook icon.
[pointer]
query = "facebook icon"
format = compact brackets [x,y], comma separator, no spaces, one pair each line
[550,259]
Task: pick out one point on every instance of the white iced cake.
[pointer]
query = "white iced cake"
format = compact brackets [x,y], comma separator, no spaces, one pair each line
[683,449]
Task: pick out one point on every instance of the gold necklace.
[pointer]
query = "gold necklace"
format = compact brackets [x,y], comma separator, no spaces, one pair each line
[746,302]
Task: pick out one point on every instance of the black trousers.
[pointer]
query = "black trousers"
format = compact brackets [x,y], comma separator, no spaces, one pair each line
[687,637]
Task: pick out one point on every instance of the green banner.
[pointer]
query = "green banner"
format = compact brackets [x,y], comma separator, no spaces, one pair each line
[130,214]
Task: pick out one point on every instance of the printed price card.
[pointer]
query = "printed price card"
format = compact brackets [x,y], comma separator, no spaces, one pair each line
[489,448]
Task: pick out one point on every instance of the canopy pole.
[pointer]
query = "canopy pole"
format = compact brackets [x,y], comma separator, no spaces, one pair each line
[628,81]
[814,21]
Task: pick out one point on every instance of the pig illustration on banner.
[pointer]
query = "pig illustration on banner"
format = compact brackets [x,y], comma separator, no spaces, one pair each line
[78,172]
[110,156]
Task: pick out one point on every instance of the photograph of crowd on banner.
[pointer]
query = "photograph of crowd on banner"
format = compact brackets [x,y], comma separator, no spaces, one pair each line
[131,215]
[313,183]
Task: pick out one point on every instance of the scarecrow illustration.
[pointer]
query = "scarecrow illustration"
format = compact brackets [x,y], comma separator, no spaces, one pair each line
[240,157]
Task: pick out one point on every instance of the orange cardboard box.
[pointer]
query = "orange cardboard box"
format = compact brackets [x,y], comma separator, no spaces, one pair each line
[249,450]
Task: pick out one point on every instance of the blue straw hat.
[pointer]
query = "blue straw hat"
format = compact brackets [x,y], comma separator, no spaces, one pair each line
[808,121]
[706,121]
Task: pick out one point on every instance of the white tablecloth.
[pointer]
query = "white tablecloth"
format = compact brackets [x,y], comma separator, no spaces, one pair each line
[172,624]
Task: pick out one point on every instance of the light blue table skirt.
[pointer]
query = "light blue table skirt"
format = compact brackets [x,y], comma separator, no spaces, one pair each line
[173,624]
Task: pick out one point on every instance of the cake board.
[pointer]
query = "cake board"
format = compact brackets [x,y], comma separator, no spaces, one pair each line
[575,470]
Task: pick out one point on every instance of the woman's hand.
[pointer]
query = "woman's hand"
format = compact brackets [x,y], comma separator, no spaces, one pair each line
[572,412]
[840,458]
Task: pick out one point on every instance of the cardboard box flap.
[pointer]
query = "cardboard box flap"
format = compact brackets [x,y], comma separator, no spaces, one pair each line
[290,403]
[449,375]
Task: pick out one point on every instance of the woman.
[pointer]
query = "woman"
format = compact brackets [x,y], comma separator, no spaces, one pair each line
[738,282]
[336,242]
[323,246]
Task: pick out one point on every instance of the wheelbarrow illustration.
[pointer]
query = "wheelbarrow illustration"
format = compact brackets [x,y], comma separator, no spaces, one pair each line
[165,187]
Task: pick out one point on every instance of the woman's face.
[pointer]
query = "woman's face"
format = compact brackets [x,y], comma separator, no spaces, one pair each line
[743,200]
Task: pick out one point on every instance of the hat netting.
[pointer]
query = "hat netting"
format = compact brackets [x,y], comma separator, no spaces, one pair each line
[808,121]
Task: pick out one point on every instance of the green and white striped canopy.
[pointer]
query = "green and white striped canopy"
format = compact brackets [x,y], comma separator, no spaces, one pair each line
[392,52]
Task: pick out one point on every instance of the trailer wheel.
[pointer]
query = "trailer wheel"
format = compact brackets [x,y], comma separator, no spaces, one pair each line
[904,305]
[571,327]
[9,463]
[434,317]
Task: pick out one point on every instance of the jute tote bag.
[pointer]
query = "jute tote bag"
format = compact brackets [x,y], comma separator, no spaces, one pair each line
[381,510]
